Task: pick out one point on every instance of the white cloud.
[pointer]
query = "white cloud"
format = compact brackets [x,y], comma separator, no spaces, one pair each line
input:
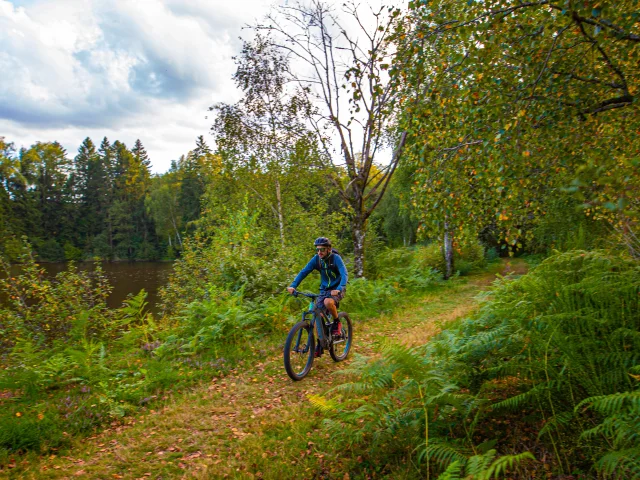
[126,69]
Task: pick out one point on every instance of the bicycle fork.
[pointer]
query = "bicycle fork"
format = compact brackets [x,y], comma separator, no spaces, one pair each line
[305,348]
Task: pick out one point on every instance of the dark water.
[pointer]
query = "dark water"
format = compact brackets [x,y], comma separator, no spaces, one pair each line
[125,278]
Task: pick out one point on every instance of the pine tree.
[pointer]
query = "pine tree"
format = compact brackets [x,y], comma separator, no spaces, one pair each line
[90,189]
[104,243]
[47,168]
[131,226]
[193,180]
[9,172]
[202,149]
[140,154]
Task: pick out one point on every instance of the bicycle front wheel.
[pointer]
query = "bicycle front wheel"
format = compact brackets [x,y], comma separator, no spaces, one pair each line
[341,343]
[299,350]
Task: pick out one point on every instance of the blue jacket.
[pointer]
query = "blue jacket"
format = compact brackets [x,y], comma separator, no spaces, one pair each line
[330,278]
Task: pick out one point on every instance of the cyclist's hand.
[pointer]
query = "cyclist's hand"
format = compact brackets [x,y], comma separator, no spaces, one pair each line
[335,293]
[291,290]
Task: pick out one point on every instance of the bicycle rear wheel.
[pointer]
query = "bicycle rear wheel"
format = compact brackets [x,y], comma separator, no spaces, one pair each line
[341,344]
[299,350]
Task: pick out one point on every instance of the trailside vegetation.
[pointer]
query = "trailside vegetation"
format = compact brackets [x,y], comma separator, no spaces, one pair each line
[72,366]
[547,371]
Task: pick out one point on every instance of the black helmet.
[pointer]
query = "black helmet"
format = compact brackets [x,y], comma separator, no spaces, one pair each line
[322,242]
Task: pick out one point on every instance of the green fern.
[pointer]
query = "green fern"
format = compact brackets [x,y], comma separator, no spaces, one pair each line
[614,403]
[564,337]
[443,454]
[622,464]
[621,427]
[453,472]
[487,468]
[323,404]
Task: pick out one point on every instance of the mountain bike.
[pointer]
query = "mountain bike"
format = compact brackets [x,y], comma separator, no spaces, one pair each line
[300,346]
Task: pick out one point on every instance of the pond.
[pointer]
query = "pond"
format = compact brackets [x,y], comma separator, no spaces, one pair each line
[124,277]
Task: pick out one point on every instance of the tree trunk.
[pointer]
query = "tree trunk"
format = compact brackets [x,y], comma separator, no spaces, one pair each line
[448,251]
[358,234]
[280,215]
[175,228]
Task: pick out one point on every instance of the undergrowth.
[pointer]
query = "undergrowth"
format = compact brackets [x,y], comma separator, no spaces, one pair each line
[72,366]
[548,368]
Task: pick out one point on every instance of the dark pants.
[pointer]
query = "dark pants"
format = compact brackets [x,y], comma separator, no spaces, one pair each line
[327,294]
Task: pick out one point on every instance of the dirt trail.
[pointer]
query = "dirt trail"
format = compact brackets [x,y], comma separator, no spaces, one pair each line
[254,423]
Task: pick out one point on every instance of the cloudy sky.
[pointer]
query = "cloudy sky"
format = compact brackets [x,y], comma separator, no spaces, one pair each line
[124,69]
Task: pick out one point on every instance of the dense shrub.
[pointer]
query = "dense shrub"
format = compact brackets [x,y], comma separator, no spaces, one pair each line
[51,251]
[419,260]
[49,310]
[208,263]
[72,252]
[69,363]
[558,346]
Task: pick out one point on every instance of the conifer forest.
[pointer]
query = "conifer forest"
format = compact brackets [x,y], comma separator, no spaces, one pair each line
[476,164]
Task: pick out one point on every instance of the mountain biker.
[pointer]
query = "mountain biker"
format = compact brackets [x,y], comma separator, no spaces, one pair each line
[333,279]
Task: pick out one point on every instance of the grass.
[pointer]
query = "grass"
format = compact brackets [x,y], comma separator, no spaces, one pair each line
[254,422]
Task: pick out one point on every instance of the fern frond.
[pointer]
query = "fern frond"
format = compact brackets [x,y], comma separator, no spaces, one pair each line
[404,358]
[478,464]
[323,404]
[614,403]
[522,399]
[453,472]
[553,423]
[505,464]
[621,464]
[442,453]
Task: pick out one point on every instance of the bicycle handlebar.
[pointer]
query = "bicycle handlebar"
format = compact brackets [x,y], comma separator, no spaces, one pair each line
[308,295]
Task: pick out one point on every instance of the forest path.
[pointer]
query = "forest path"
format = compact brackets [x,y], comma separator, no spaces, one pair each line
[255,422]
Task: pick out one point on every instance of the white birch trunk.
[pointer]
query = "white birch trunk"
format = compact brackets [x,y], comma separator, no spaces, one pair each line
[448,251]
[280,215]
[358,247]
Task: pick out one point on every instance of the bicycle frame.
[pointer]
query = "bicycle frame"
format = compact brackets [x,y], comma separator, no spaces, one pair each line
[317,321]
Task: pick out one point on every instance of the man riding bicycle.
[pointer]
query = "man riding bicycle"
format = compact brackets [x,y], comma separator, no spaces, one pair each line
[333,279]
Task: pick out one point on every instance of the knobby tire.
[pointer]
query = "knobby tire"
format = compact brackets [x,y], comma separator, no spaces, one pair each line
[291,342]
[344,348]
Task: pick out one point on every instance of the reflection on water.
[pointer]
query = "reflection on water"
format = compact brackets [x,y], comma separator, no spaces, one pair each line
[125,278]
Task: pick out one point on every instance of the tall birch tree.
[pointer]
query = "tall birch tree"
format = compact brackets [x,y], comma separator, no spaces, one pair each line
[260,132]
[340,60]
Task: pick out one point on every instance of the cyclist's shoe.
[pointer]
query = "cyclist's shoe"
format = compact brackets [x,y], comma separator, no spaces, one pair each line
[336,328]
[319,351]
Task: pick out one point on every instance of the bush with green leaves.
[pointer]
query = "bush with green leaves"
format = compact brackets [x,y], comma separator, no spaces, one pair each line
[469,256]
[366,298]
[69,362]
[561,342]
[233,260]
[404,268]
[49,310]
[416,268]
